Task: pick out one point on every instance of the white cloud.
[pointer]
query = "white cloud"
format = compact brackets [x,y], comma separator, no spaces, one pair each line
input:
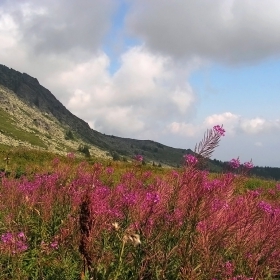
[259,125]
[231,31]
[45,38]
[182,100]
[49,26]
[184,129]
[8,31]
[79,99]
[140,74]
[122,120]
[232,123]
[10,51]
[237,124]
[136,101]
[229,120]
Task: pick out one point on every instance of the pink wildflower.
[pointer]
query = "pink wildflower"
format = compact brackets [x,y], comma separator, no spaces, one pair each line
[55,161]
[54,245]
[201,226]
[248,164]
[152,197]
[190,160]
[234,163]
[14,242]
[21,246]
[110,170]
[229,268]
[138,158]
[219,130]
[266,207]
[21,236]
[130,198]
[7,237]
[71,155]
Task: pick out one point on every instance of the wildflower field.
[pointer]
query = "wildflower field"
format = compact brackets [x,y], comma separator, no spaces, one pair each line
[81,220]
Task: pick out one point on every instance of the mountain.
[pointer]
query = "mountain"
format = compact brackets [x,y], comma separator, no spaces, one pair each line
[31,116]
[40,120]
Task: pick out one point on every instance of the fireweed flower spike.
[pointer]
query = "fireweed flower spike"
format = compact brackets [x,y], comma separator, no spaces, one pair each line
[219,130]
[16,243]
[152,197]
[248,164]
[7,237]
[54,245]
[210,141]
[21,235]
[190,160]
[234,163]
[139,158]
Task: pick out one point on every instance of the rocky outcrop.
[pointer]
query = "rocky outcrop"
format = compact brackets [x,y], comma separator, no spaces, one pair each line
[29,90]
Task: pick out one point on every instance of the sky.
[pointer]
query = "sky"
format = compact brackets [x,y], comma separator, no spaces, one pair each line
[157,69]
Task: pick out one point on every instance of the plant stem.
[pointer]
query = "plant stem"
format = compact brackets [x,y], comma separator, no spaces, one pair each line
[120,261]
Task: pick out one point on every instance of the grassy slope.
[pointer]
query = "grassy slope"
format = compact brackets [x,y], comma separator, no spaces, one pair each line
[9,128]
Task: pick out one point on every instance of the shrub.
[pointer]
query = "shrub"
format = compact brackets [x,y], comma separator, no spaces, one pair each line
[84,149]
[69,135]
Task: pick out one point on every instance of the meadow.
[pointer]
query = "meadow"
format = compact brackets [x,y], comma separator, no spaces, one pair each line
[63,218]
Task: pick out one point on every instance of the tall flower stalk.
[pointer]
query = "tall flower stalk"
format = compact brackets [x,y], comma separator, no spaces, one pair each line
[85,223]
[210,141]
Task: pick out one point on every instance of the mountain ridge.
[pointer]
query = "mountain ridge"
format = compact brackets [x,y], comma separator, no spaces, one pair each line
[32,116]
[29,90]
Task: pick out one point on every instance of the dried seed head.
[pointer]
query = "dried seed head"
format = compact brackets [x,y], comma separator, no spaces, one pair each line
[115,226]
[133,238]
